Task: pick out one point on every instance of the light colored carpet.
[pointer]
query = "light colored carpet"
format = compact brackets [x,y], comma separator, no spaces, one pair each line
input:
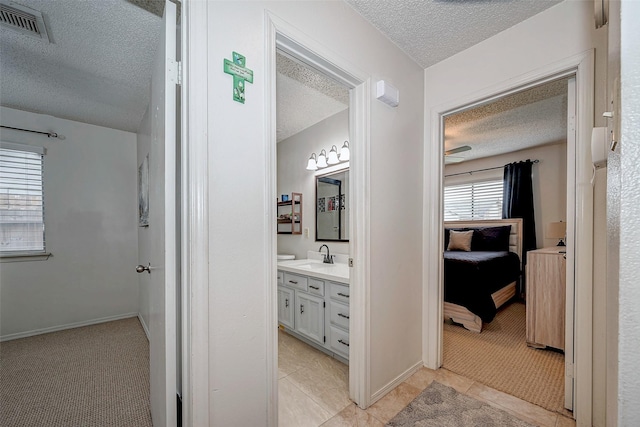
[91,376]
[499,358]
[442,406]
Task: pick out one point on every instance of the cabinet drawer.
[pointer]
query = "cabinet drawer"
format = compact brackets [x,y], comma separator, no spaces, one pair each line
[340,341]
[316,287]
[295,281]
[339,292]
[280,277]
[340,315]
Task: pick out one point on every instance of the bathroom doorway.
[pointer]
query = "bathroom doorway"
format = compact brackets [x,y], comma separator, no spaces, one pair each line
[313,210]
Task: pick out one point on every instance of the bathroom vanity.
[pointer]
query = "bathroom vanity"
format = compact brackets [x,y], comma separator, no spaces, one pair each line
[313,303]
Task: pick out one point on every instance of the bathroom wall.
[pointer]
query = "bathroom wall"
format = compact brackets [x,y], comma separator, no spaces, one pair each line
[549,182]
[293,154]
[90,198]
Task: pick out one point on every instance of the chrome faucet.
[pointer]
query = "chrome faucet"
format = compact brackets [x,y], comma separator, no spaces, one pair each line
[328,259]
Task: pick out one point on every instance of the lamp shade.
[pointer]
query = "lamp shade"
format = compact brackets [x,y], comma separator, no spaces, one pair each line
[322,159]
[333,156]
[556,230]
[311,164]
[344,152]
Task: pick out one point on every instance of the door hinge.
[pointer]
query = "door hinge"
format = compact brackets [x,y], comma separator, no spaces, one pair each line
[174,71]
[569,370]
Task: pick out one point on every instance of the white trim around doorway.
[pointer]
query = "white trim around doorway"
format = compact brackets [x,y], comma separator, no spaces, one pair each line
[582,65]
[285,37]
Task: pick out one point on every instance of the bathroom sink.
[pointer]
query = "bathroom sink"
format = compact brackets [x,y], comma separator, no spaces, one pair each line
[313,265]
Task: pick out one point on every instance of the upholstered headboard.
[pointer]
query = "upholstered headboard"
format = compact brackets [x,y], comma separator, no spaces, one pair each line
[515,237]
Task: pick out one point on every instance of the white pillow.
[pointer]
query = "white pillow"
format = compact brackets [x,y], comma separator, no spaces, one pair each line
[460,240]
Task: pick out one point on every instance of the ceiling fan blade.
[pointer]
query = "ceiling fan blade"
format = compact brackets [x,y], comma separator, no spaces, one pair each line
[457,150]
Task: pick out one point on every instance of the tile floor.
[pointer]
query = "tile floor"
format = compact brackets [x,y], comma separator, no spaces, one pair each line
[313,392]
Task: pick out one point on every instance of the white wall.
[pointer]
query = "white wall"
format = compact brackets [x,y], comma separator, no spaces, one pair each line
[90,201]
[557,33]
[549,182]
[239,199]
[293,154]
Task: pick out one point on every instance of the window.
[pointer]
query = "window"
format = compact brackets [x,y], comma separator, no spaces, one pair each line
[21,199]
[474,200]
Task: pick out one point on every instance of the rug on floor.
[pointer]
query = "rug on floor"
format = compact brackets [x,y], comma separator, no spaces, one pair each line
[442,406]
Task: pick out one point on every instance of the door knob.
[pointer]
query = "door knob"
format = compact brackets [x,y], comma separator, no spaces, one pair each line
[142,268]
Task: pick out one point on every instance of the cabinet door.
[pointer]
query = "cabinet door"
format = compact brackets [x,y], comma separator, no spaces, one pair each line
[310,316]
[286,305]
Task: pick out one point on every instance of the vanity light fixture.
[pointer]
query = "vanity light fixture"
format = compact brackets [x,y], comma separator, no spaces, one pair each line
[311,164]
[322,159]
[344,152]
[333,156]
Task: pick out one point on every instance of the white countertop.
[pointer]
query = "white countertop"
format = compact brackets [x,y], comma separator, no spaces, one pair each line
[337,272]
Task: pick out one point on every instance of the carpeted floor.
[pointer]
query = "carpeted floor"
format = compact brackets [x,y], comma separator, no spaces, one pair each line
[442,406]
[91,376]
[499,358]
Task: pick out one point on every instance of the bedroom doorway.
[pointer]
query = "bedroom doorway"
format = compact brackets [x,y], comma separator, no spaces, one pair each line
[502,331]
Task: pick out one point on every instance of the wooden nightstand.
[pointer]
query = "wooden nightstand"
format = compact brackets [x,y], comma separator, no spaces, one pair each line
[545,290]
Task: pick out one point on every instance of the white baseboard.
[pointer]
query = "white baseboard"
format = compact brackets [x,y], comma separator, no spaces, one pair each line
[67,326]
[144,326]
[395,382]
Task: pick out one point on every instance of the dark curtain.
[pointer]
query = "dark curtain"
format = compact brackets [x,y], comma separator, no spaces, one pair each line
[517,202]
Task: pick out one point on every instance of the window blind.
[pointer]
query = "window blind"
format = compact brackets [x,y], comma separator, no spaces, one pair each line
[473,201]
[21,200]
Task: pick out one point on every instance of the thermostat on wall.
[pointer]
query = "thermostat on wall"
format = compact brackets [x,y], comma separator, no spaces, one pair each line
[387,93]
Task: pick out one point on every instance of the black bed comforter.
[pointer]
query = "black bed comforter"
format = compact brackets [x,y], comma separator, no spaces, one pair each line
[471,277]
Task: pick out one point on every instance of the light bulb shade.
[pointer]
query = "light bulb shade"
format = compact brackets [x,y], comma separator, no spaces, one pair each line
[322,159]
[344,152]
[556,230]
[311,164]
[333,156]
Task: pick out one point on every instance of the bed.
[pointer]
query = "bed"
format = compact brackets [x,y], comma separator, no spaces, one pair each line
[479,281]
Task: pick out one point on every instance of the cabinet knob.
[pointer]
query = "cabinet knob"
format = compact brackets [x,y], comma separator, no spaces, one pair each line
[343,315]
[314,287]
[286,303]
[301,308]
[343,343]
[343,295]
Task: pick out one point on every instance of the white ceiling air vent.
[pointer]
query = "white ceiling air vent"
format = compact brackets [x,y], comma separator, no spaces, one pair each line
[23,19]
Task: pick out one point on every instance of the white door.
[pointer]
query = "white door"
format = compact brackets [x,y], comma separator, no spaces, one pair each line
[158,249]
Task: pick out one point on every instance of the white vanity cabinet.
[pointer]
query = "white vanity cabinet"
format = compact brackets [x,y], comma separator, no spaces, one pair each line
[310,316]
[286,306]
[315,310]
[339,324]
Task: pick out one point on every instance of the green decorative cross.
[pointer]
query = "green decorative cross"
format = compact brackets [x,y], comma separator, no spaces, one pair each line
[240,75]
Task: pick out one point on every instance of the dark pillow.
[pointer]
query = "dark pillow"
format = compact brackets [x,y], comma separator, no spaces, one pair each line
[491,238]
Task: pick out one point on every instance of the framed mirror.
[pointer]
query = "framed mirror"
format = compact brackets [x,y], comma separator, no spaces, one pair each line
[332,207]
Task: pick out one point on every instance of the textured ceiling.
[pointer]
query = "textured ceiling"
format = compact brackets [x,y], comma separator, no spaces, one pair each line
[304,97]
[97,68]
[432,30]
[534,117]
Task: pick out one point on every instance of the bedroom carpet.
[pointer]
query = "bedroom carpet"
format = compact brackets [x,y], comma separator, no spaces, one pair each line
[499,358]
[90,376]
